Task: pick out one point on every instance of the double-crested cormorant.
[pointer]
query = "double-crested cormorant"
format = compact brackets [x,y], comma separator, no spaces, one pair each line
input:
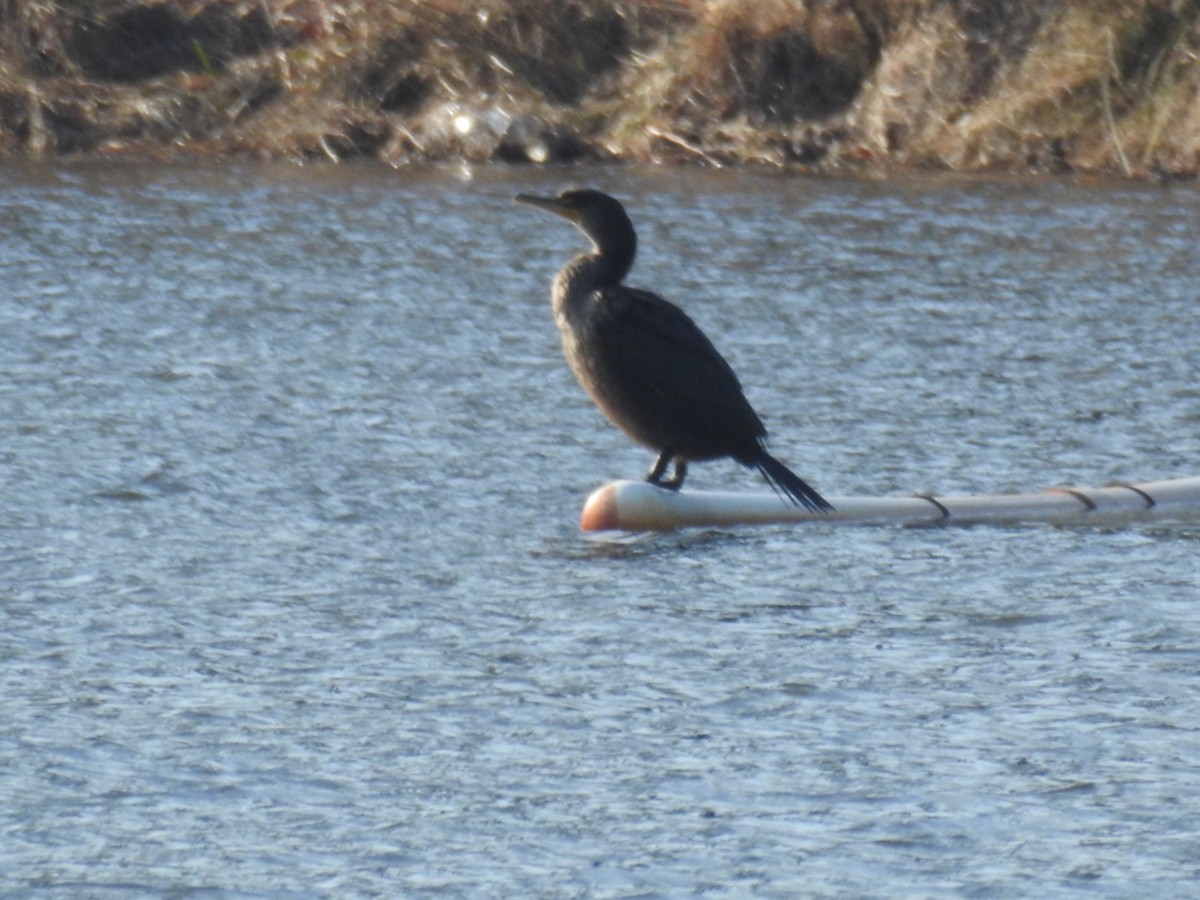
[647,365]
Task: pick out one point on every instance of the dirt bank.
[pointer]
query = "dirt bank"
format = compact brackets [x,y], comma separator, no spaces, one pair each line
[1053,85]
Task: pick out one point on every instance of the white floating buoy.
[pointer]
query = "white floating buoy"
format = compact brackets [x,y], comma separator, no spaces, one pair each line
[639,506]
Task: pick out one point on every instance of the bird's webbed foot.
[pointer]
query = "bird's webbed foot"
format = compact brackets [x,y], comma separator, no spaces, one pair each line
[675,482]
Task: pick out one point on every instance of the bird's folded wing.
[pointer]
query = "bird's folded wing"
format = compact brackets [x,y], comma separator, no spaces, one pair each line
[654,346]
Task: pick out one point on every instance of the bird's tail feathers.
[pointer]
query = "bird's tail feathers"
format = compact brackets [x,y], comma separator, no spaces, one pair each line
[790,484]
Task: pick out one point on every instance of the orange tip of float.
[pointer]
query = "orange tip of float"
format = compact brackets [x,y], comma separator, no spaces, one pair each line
[600,510]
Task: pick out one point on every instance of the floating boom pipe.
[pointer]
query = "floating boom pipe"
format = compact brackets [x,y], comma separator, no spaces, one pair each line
[639,506]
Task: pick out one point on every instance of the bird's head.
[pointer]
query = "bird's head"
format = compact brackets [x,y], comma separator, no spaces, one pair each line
[601,217]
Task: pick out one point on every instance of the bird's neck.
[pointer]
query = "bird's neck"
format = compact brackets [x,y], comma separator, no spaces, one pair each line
[606,266]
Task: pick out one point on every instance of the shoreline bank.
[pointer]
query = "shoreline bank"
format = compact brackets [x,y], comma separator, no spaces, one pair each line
[955,85]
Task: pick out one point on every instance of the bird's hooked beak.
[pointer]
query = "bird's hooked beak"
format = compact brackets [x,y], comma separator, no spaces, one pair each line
[550,204]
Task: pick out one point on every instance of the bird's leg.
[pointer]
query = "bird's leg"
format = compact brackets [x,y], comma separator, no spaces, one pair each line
[655,476]
[675,482]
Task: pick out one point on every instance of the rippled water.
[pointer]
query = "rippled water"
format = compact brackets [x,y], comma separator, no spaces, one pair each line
[296,605]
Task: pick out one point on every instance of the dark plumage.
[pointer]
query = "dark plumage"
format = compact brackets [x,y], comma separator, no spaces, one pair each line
[647,365]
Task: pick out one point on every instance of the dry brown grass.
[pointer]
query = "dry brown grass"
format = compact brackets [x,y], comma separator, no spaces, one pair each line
[1098,86]
[965,84]
[734,71]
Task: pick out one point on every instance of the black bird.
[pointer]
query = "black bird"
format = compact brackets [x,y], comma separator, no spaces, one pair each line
[647,365]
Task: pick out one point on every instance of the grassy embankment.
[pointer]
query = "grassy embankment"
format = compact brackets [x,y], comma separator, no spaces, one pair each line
[1108,85]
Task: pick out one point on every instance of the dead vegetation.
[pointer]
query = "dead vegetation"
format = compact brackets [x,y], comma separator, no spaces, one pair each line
[963,84]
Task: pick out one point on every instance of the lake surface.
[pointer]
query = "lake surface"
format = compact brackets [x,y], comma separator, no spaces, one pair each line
[295,601]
